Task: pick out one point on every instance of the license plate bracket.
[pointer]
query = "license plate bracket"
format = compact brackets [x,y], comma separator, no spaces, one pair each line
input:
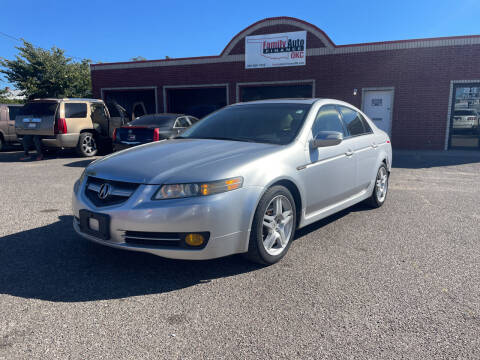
[103,220]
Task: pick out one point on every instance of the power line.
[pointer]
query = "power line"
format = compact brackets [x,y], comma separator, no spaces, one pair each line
[11,37]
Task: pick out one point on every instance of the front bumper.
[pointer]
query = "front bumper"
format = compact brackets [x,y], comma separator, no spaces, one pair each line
[227,217]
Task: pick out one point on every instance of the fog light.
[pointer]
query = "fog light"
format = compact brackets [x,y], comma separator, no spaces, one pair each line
[194,239]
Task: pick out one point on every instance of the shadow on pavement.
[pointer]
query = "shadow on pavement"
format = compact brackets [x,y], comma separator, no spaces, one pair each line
[53,263]
[427,159]
[80,163]
[50,154]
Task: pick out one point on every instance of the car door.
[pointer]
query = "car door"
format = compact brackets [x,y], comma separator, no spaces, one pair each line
[330,174]
[361,141]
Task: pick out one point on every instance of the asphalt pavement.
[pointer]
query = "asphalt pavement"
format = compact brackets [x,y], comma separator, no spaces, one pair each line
[402,281]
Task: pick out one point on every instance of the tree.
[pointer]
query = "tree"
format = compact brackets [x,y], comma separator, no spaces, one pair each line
[39,72]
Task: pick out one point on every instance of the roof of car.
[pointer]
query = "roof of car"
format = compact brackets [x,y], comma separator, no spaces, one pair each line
[67,99]
[280,101]
[165,114]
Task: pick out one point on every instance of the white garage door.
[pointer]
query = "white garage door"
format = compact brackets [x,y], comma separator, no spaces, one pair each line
[377,104]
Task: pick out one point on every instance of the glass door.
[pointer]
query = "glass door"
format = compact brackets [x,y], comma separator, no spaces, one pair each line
[465,115]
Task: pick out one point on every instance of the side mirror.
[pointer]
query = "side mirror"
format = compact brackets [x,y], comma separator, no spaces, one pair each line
[326,138]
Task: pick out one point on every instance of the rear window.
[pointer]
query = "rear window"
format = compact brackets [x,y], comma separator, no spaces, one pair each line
[465,113]
[13,111]
[159,120]
[39,108]
[75,110]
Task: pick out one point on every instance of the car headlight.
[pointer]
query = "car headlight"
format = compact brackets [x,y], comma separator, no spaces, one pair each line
[79,181]
[176,191]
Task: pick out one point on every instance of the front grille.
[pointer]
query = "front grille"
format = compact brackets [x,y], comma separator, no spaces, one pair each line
[119,191]
[160,239]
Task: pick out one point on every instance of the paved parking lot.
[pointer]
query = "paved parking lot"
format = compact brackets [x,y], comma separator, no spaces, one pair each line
[399,281]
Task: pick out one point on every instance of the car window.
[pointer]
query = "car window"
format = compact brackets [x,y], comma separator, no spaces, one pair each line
[352,120]
[163,121]
[328,119]
[366,125]
[465,113]
[13,111]
[193,120]
[75,110]
[37,108]
[181,123]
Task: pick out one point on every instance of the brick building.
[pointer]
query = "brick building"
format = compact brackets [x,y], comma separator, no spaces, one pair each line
[424,92]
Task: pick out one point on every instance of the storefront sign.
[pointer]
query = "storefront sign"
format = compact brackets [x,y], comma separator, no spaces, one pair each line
[275,50]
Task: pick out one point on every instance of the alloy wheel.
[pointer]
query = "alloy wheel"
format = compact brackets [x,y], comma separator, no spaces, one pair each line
[277,225]
[88,145]
[381,185]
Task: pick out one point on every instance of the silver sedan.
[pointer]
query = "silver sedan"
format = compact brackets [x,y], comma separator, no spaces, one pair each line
[241,180]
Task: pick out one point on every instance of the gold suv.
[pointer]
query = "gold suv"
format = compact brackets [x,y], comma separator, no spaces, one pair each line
[84,124]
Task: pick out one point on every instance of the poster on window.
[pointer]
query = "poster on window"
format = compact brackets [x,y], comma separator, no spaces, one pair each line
[275,50]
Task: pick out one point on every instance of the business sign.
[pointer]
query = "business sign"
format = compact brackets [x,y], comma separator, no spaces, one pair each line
[275,50]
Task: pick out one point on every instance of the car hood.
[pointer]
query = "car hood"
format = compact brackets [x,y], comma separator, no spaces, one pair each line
[179,160]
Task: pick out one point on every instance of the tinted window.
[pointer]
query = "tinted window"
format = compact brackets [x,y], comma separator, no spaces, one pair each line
[113,111]
[328,119]
[193,120]
[39,108]
[138,111]
[13,111]
[75,110]
[366,125]
[182,123]
[277,123]
[154,120]
[353,121]
[465,113]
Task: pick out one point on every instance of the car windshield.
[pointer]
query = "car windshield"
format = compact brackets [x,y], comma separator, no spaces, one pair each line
[39,108]
[276,123]
[163,121]
[465,113]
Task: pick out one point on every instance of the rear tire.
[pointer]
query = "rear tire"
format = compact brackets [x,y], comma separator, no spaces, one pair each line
[380,189]
[87,145]
[273,226]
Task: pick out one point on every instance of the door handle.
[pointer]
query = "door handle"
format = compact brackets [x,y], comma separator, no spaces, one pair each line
[349,153]
[374,145]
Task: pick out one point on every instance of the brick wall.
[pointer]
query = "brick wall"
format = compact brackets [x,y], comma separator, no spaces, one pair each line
[421,78]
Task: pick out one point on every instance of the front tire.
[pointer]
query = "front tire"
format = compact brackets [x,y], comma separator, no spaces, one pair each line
[87,145]
[2,143]
[273,226]
[380,189]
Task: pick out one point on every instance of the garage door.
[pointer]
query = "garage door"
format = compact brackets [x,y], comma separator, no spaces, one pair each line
[197,101]
[135,102]
[250,93]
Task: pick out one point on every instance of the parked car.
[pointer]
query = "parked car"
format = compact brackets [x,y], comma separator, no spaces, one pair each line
[7,124]
[465,120]
[241,180]
[83,124]
[150,128]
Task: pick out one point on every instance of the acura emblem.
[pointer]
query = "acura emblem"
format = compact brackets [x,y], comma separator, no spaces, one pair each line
[104,191]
